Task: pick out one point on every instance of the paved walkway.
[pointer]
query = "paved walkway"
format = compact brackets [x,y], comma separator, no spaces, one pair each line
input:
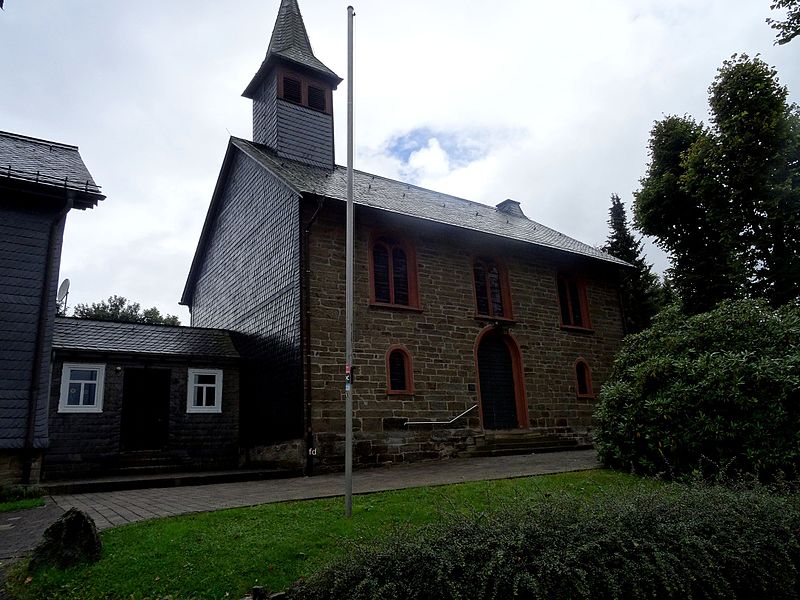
[20,531]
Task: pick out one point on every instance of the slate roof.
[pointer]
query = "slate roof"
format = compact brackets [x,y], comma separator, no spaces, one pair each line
[138,338]
[46,163]
[290,42]
[393,196]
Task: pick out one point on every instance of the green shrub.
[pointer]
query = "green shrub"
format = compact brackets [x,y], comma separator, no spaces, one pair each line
[716,392]
[12,493]
[674,541]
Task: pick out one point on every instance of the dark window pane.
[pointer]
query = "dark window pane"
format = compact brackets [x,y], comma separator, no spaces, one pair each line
[206,379]
[292,90]
[400,275]
[89,390]
[316,98]
[575,299]
[494,288]
[380,262]
[83,375]
[481,295]
[563,300]
[199,393]
[583,379]
[397,371]
[74,395]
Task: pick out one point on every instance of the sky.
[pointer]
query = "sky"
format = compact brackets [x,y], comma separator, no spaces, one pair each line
[548,103]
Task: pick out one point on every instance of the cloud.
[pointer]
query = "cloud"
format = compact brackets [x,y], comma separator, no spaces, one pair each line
[550,104]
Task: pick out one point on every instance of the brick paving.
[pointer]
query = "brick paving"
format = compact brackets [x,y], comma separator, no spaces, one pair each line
[20,531]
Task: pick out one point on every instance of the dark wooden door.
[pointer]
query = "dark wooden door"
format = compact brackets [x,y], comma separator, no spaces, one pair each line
[496,374]
[145,409]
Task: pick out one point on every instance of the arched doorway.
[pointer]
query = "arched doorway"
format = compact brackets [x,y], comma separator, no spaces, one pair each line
[502,398]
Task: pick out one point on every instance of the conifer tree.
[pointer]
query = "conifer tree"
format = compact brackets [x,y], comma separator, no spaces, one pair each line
[639,288]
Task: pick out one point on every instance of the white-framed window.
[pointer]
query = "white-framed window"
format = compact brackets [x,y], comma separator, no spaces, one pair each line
[82,388]
[204,392]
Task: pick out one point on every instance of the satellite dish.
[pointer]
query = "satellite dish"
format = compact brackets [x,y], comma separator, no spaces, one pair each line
[63,290]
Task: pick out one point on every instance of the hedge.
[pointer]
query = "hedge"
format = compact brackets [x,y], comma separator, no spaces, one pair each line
[675,541]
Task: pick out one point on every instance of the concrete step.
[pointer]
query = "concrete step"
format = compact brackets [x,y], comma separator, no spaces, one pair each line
[511,451]
[141,480]
[522,443]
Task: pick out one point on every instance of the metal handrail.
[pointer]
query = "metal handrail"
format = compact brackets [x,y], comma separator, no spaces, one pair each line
[453,420]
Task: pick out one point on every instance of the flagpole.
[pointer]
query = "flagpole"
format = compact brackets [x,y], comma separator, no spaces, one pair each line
[348,450]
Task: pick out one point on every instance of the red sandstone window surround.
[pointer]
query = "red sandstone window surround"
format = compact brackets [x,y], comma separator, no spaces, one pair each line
[492,296]
[573,302]
[583,379]
[399,372]
[392,273]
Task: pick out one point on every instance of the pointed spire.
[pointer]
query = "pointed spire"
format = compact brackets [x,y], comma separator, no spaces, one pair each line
[289,42]
[290,31]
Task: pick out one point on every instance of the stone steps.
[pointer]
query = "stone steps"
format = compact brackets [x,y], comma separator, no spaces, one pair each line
[508,443]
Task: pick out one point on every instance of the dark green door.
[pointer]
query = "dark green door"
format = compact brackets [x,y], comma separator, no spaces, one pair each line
[496,376]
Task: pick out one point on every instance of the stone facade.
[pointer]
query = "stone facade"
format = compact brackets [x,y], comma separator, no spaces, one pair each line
[441,338]
[92,443]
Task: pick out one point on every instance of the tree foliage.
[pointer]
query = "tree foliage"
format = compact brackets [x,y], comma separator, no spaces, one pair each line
[639,289]
[119,308]
[717,390]
[724,201]
[789,27]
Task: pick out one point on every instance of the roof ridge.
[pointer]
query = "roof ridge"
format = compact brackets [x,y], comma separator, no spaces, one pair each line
[261,147]
[42,141]
[424,189]
[164,325]
[535,232]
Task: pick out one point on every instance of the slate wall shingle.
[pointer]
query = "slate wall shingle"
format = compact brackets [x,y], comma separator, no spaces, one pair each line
[24,235]
[249,282]
[84,444]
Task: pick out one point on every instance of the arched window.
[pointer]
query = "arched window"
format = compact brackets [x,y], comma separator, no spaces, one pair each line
[399,379]
[393,273]
[491,289]
[583,379]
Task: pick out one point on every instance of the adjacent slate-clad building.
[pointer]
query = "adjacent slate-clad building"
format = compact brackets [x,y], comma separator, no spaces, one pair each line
[40,182]
[131,395]
[472,316]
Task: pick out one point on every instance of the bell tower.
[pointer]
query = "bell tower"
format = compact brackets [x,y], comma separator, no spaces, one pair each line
[292,95]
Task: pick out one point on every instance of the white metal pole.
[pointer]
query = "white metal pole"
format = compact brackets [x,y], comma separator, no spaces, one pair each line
[348,450]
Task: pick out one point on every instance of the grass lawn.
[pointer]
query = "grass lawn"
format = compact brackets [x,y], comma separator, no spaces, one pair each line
[21,504]
[222,554]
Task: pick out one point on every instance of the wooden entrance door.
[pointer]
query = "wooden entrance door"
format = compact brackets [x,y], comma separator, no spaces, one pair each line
[145,409]
[497,388]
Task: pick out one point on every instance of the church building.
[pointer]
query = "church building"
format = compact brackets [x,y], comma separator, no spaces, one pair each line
[477,329]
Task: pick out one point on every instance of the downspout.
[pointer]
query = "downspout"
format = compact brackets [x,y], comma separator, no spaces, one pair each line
[44,315]
[305,307]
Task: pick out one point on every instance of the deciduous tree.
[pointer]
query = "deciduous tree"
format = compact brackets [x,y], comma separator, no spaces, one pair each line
[789,27]
[724,200]
[119,308]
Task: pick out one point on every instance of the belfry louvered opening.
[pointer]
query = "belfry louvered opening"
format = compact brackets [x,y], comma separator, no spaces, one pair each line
[316,98]
[292,90]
